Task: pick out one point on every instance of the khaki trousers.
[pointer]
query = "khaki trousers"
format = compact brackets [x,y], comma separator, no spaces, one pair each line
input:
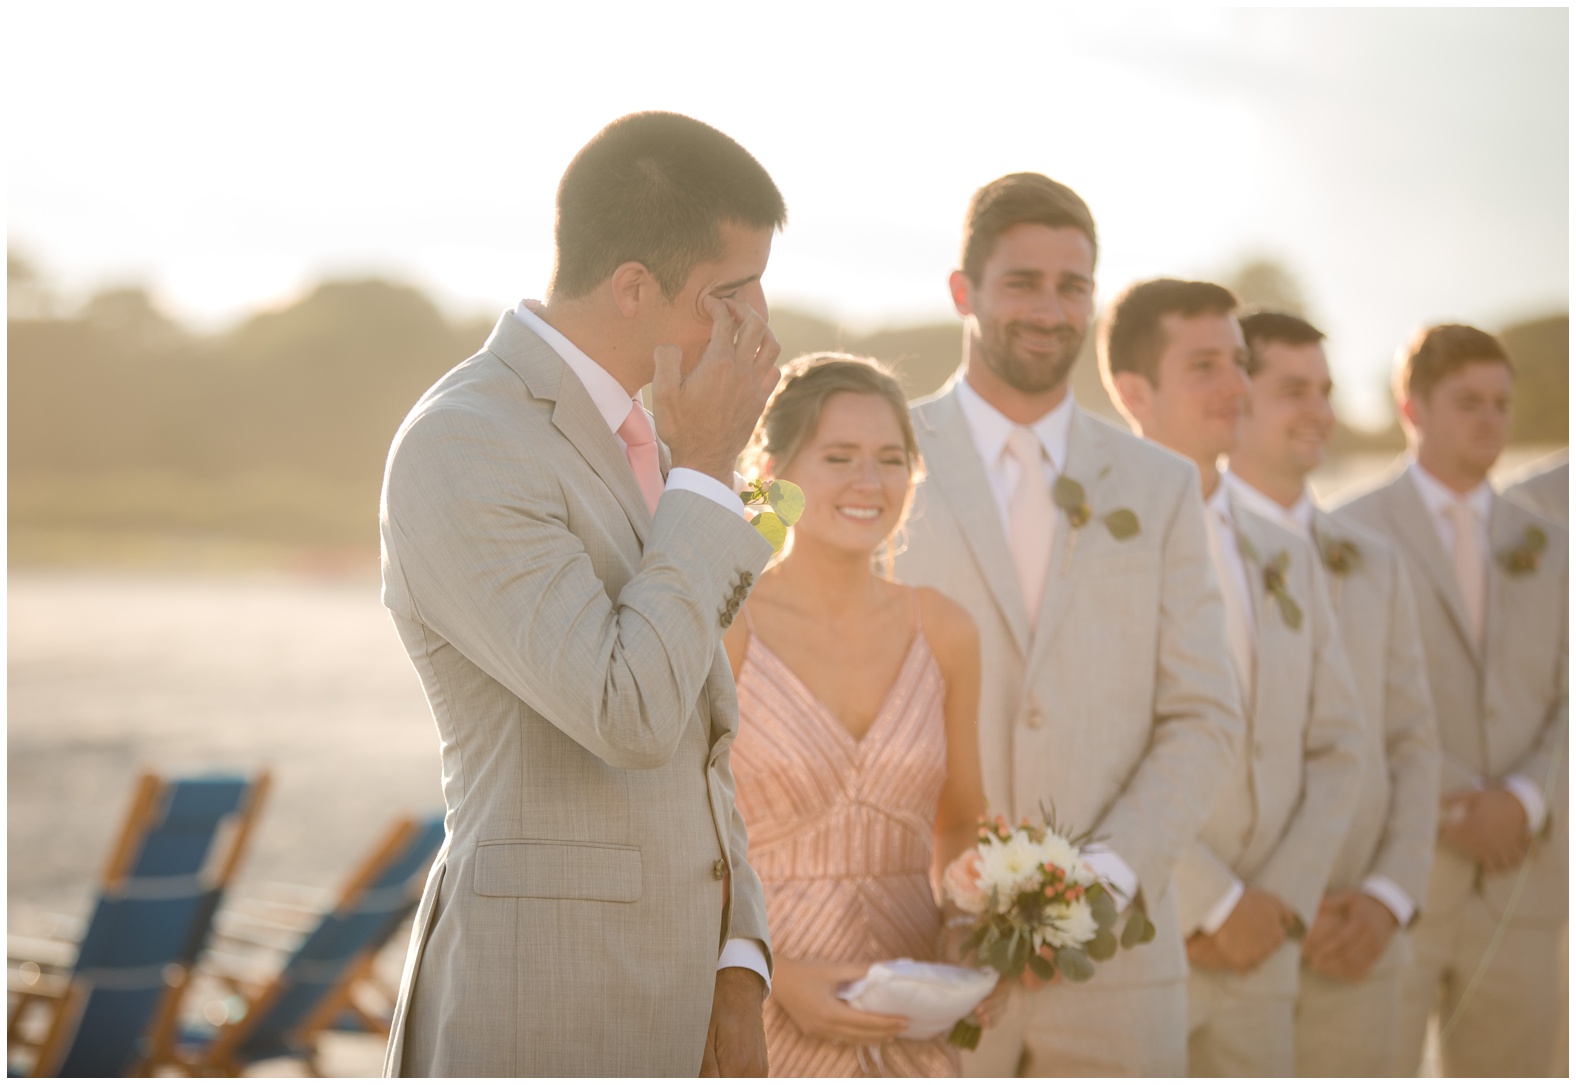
[1236,1028]
[1509,1023]
[1068,1029]
[1347,1029]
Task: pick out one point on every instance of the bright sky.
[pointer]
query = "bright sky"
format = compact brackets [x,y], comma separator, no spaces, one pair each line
[1407,165]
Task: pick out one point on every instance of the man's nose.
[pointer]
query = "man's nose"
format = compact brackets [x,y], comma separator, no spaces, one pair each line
[755,297]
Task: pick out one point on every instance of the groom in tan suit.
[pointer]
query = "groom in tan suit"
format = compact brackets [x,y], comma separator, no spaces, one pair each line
[1349,995]
[1105,690]
[1491,581]
[1251,884]
[591,911]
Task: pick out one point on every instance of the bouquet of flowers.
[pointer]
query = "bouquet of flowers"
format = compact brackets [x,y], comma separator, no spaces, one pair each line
[1036,904]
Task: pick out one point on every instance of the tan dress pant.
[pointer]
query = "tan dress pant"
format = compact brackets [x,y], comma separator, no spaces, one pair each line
[1235,1028]
[1347,1029]
[1067,1029]
[1509,1022]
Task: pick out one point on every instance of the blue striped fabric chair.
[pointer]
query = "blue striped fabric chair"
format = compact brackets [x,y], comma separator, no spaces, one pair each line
[316,988]
[115,1009]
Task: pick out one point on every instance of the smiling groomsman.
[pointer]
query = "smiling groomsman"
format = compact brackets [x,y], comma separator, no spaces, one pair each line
[1349,995]
[1081,554]
[1491,581]
[1251,884]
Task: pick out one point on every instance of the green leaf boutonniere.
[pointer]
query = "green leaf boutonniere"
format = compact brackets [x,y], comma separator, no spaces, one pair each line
[1275,581]
[1523,559]
[1068,495]
[1341,556]
[781,502]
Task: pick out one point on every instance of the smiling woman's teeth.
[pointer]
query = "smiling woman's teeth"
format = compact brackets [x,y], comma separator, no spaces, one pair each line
[859,514]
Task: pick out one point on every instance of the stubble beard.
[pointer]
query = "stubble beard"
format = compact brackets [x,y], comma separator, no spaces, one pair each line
[1025,373]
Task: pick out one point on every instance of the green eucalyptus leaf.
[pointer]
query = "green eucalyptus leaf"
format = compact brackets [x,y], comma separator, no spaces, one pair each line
[1102,947]
[771,527]
[1104,909]
[1291,613]
[1042,968]
[1138,930]
[1536,539]
[1074,963]
[1122,524]
[965,1034]
[786,500]
[1067,493]
[972,942]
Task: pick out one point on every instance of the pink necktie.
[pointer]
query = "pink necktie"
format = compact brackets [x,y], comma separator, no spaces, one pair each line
[1467,557]
[640,445]
[1031,519]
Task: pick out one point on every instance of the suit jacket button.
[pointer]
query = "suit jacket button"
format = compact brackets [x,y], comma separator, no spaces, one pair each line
[1034,720]
[746,578]
[719,869]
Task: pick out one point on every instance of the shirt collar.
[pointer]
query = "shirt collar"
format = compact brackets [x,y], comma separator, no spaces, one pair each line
[1439,498]
[1219,502]
[1298,518]
[607,395]
[991,428]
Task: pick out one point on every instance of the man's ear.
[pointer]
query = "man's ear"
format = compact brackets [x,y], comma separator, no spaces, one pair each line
[1409,412]
[1134,397]
[633,287]
[962,293]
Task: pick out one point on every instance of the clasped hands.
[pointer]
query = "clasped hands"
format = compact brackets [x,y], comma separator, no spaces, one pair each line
[1255,928]
[1488,826]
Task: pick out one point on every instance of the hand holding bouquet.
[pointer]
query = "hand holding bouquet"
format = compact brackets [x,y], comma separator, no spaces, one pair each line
[1037,904]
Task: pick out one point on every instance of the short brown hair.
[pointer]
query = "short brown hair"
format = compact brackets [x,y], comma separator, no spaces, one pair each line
[1267,326]
[655,188]
[1014,199]
[1131,339]
[1435,353]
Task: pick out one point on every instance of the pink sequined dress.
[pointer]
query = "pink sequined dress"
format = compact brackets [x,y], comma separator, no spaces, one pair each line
[840,834]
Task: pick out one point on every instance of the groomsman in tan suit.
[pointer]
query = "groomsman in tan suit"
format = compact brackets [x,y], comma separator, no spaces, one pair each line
[1105,689]
[1252,882]
[1491,582]
[1545,487]
[591,911]
[1349,995]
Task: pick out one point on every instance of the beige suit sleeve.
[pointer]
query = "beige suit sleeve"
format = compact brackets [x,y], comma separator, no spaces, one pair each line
[1406,851]
[1299,869]
[747,914]
[1198,723]
[1548,757]
[491,565]
[1203,880]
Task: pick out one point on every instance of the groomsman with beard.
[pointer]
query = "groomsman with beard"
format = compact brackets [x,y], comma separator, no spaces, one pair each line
[1349,996]
[1080,551]
[1491,581]
[1250,885]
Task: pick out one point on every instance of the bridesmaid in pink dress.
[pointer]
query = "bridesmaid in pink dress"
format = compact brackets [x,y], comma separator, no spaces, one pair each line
[856,763]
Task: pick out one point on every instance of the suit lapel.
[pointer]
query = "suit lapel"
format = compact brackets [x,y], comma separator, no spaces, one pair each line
[1414,530]
[1086,465]
[1506,529]
[575,415]
[1265,611]
[955,470]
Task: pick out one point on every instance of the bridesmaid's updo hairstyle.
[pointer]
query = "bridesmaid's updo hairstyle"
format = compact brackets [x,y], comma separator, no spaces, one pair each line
[794,411]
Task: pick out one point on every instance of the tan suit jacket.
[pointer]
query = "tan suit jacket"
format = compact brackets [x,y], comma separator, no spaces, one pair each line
[1393,828]
[1502,710]
[1121,708]
[1546,489]
[569,648]
[1282,816]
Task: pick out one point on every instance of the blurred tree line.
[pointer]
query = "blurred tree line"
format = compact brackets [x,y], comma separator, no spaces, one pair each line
[125,428]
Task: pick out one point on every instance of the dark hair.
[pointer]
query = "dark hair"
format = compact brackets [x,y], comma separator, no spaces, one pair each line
[1435,353]
[1132,340]
[655,188]
[1268,326]
[1014,199]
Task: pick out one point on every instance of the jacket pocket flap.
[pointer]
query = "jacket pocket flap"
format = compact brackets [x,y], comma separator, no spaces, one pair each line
[557,868]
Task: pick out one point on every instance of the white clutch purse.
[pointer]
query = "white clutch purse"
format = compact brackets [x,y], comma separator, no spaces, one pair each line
[932,996]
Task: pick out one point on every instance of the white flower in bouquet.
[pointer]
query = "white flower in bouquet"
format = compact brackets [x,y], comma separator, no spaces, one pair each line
[1059,852]
[1012,865]
[1069,924]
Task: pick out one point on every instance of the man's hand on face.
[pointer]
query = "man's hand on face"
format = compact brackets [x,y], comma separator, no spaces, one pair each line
[707,415]
[1349,935]
[1255,928]
[1487,826]
[736,1038]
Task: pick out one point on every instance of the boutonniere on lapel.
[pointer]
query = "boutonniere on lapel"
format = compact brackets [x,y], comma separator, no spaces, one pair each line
[1523,559]
[781,504]
[1341,556]
[1068,496]
[1274,581]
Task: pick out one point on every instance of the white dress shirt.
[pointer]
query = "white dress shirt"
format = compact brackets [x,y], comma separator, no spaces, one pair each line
[990,430]
[1299,518]
[1438,498]
[612,403]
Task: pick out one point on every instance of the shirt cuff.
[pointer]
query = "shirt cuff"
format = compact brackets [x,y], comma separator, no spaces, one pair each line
[745,953]
[1216,917]
[1530,797]
[685,478]
[1114,871]
[1392,896]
